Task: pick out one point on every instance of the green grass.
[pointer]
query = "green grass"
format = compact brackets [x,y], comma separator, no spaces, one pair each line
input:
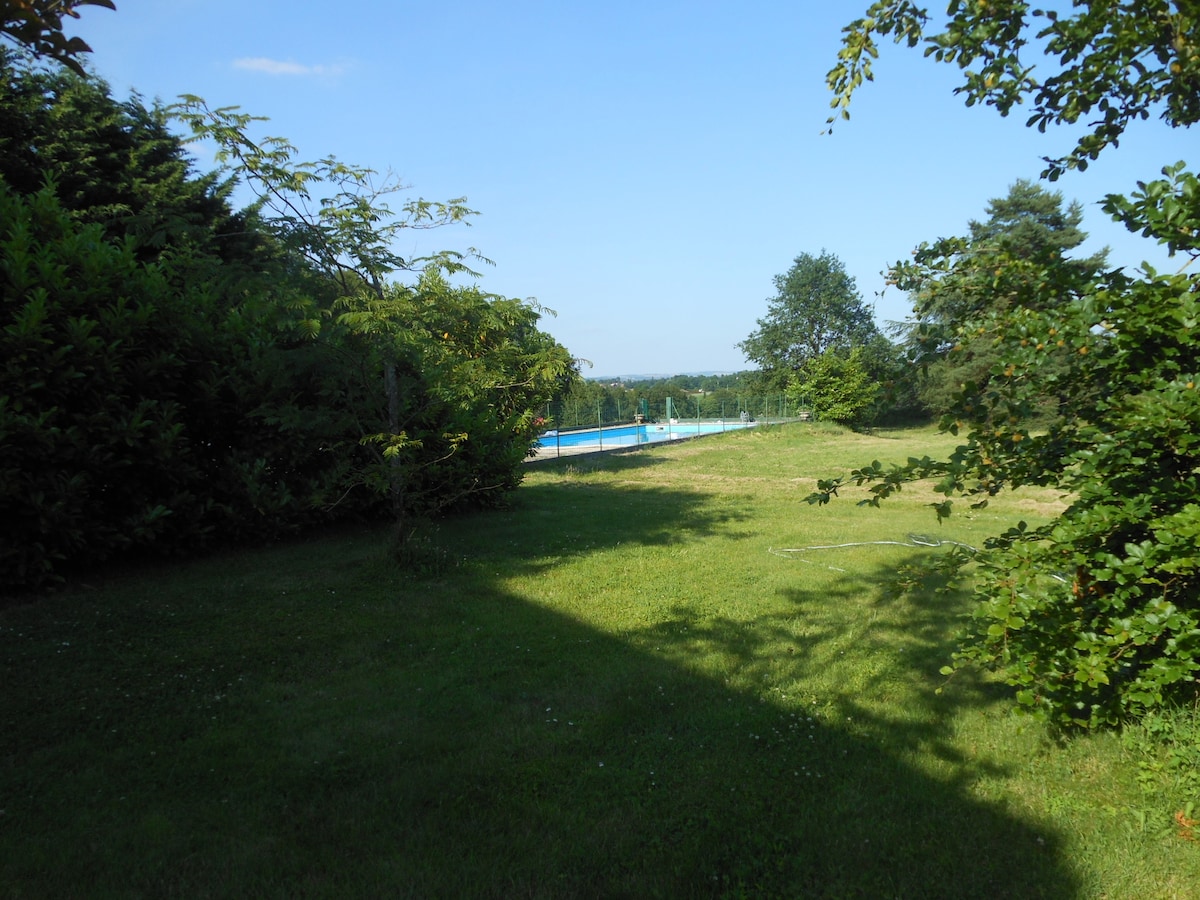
[619,687]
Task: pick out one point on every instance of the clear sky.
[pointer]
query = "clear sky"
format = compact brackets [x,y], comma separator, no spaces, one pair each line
[642,168]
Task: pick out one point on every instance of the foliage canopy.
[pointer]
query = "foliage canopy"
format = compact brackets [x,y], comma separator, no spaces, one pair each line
[1109,64]
[816,308]
[1096,616]
[38,26]
[817,330]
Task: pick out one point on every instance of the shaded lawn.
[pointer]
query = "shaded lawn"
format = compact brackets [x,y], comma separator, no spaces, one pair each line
[600,698]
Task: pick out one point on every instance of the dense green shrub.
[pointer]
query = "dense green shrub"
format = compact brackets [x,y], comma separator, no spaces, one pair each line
[95,457]
[174,375]
[136,416]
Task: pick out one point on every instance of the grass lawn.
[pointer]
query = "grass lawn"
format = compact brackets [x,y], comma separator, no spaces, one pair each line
[636,682]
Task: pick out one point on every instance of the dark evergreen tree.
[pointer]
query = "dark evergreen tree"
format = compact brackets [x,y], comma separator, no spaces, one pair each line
[116,164]
[1028,229]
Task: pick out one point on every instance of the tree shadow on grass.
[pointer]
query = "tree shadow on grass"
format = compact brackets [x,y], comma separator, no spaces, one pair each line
[449,738]
[862,652]
[574,518]
[538,757]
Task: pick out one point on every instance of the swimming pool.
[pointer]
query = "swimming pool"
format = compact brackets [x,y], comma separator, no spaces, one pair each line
[633,435]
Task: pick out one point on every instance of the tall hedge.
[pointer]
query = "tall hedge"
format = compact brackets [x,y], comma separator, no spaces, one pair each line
[95,457]
[172,377]
[134,415]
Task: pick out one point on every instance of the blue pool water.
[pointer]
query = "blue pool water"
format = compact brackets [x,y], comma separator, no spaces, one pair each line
[632,435]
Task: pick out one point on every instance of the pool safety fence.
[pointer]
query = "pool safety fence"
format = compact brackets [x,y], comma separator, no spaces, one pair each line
[570,442]
[610,410]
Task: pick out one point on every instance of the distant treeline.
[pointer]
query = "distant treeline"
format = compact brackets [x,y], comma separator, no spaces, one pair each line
[725,396]
[590,401]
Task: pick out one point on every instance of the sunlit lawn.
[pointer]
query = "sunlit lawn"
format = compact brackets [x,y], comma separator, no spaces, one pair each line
[639,681]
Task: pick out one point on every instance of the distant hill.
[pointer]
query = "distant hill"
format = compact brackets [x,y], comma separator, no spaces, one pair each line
[658,377]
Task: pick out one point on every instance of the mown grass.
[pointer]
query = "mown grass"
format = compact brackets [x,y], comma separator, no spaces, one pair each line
[618,687]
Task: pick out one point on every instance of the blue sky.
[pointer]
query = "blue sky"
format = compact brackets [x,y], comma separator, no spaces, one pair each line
[642,168]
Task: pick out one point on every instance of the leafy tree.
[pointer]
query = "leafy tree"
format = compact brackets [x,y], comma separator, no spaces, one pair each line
[37,25]
[473,372]
[461,372]
[1029,223]
[893,386]
[1117,63]
[1095,616]
[816,308]
[585,401]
